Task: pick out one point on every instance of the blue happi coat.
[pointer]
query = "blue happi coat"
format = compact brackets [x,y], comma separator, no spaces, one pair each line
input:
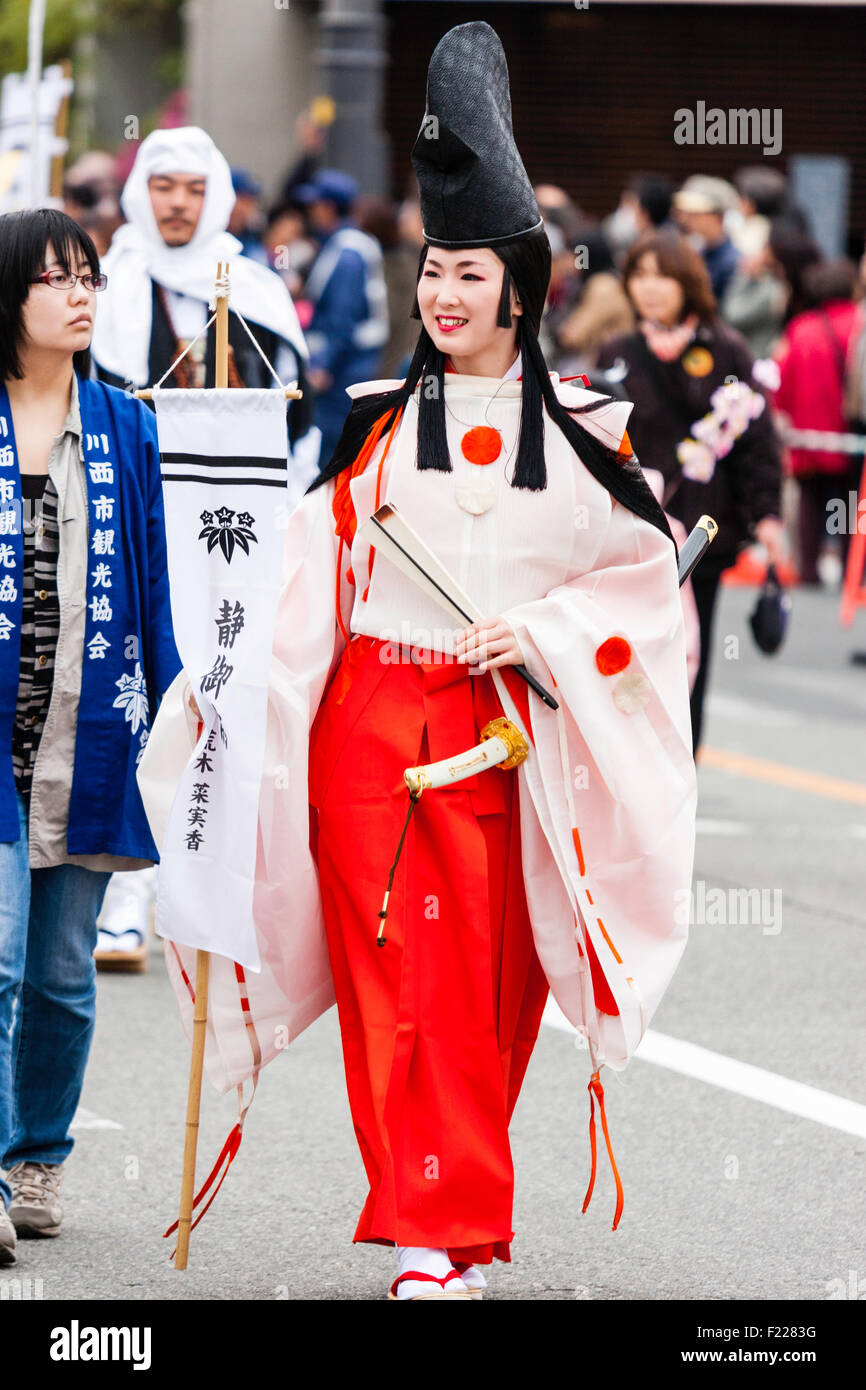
[129,657]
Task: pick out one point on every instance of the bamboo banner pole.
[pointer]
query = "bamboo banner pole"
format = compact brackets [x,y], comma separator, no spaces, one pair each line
[202,958]
[222,327]
[193,1107]
[290,393]
[202,966]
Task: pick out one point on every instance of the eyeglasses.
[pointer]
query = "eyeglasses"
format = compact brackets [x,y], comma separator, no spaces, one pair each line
[58,280]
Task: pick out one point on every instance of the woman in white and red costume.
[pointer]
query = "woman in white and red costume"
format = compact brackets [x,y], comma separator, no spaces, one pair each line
[564,874]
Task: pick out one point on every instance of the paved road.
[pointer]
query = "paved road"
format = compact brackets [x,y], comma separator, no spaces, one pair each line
[726,1197]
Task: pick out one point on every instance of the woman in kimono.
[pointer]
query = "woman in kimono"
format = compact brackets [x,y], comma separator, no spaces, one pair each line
[562,874]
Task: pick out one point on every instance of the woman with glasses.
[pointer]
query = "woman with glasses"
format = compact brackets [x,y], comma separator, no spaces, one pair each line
[86,650]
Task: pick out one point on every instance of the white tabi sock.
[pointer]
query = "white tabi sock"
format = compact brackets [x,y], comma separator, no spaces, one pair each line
[425,1260]
[472,1276]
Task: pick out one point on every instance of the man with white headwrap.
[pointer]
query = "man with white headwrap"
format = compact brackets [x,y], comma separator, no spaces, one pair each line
[161,268]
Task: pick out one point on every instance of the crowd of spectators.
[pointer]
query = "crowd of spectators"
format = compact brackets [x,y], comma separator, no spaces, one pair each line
[350,262]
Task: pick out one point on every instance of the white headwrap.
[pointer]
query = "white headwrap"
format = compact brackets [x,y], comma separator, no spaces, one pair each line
[138,254]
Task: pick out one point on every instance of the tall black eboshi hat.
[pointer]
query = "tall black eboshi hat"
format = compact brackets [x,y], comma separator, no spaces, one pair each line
[474,188]
[475,192]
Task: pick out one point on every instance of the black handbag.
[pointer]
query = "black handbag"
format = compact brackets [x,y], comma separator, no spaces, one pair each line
[769,618]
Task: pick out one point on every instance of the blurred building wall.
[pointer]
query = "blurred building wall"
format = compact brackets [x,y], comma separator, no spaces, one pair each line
[252,69]
[250,74]
[594,90]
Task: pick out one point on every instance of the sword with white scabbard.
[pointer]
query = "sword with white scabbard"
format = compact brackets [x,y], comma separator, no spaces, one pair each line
[503,744]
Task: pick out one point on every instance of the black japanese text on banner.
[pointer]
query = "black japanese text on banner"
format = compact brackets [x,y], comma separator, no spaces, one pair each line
[224,474]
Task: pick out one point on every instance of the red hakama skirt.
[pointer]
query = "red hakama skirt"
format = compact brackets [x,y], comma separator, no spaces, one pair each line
[437,1025]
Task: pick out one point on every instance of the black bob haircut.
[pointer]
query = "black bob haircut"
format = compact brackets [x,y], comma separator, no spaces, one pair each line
[24,237]
[527,263]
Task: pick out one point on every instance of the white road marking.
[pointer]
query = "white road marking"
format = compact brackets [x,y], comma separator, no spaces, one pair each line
[738,707]
[706,825]
[842,681]
[85,1119]
[742,1078]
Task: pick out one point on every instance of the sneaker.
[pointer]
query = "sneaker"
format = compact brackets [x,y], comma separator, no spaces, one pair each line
[124,922]
[35,1209]
[7,1238]
[130,939]
[128,905]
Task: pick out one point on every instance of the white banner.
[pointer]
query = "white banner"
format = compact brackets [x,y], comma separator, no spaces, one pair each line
[224,474]
[25,171]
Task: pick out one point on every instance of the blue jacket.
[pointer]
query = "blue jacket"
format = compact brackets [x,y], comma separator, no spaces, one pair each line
[349,328]
[721,262]
[106,815]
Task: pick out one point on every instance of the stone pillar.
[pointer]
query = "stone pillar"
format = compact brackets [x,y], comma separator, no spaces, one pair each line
[249,77]
[351,57]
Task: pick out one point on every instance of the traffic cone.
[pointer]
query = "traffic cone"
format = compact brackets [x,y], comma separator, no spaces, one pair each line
[853,592]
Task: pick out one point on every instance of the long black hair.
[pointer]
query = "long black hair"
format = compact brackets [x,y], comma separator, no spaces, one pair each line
[24,237]
[527,267]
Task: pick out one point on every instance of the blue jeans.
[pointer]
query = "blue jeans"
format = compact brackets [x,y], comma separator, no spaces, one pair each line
[47,1000]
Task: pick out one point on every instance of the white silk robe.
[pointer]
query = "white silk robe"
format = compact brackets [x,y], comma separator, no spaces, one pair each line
[568,568]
